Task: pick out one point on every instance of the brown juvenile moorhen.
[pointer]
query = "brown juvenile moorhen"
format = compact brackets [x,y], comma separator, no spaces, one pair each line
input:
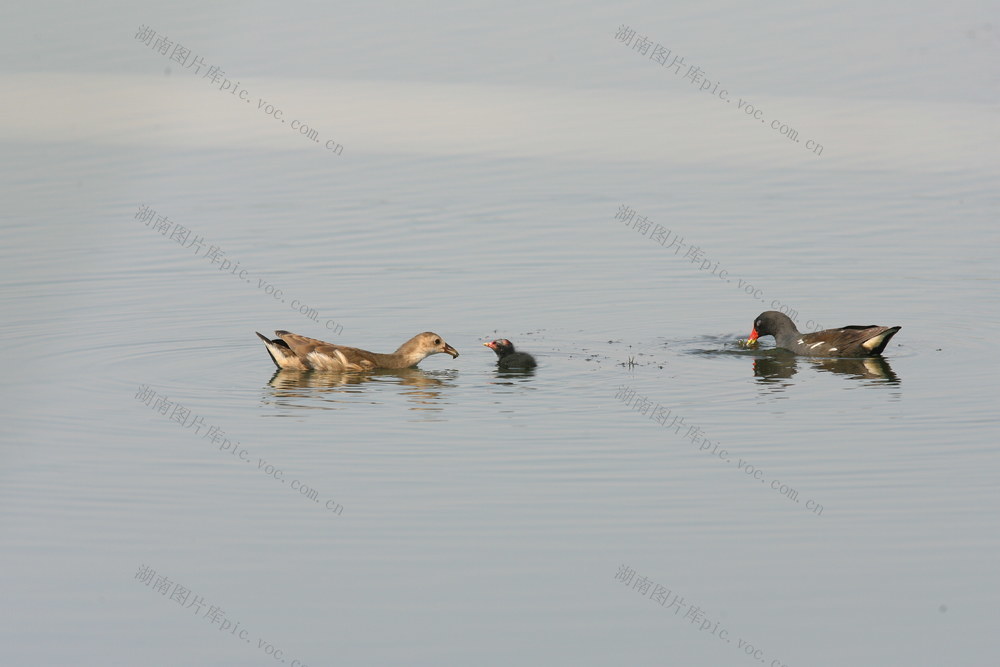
[294,352]
[851,341]
[507,357]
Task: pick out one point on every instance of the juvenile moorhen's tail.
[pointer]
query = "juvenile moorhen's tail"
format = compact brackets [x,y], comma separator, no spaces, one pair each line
[280,353]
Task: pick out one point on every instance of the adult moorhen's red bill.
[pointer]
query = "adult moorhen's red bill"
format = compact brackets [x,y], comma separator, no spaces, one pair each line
[850,341]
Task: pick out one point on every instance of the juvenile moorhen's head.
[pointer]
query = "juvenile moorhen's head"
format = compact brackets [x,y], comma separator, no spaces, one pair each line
[426,344]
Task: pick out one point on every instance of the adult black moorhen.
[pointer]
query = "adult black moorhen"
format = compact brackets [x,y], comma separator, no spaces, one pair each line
[507,357]
[850,341]
[294,352]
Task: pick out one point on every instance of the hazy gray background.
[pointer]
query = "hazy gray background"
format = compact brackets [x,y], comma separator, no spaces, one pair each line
[485,152]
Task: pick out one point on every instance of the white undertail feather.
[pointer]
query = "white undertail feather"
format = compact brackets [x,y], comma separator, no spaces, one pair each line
[874,341]
[283,357]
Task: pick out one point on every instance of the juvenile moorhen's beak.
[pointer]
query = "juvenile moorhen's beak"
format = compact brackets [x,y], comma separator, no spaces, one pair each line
[450,350]
[753,336]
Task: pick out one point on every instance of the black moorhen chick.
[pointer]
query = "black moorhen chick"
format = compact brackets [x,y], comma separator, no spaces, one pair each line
[851,341]
[507,357]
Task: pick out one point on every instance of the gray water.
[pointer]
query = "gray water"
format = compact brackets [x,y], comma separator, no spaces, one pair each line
[651,493]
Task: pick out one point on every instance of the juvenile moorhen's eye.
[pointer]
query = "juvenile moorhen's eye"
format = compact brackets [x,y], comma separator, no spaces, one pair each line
[437,341]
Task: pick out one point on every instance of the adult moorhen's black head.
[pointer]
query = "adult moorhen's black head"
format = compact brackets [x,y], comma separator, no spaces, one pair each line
[771,323]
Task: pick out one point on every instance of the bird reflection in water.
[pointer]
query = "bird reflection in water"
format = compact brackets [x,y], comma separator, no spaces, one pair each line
[512,376]
[777,366]
[424,389]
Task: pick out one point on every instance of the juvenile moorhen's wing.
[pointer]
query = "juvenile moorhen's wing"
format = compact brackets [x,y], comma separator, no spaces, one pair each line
[319,355]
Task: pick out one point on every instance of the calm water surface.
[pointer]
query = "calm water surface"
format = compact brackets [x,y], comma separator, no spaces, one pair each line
[651,493]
